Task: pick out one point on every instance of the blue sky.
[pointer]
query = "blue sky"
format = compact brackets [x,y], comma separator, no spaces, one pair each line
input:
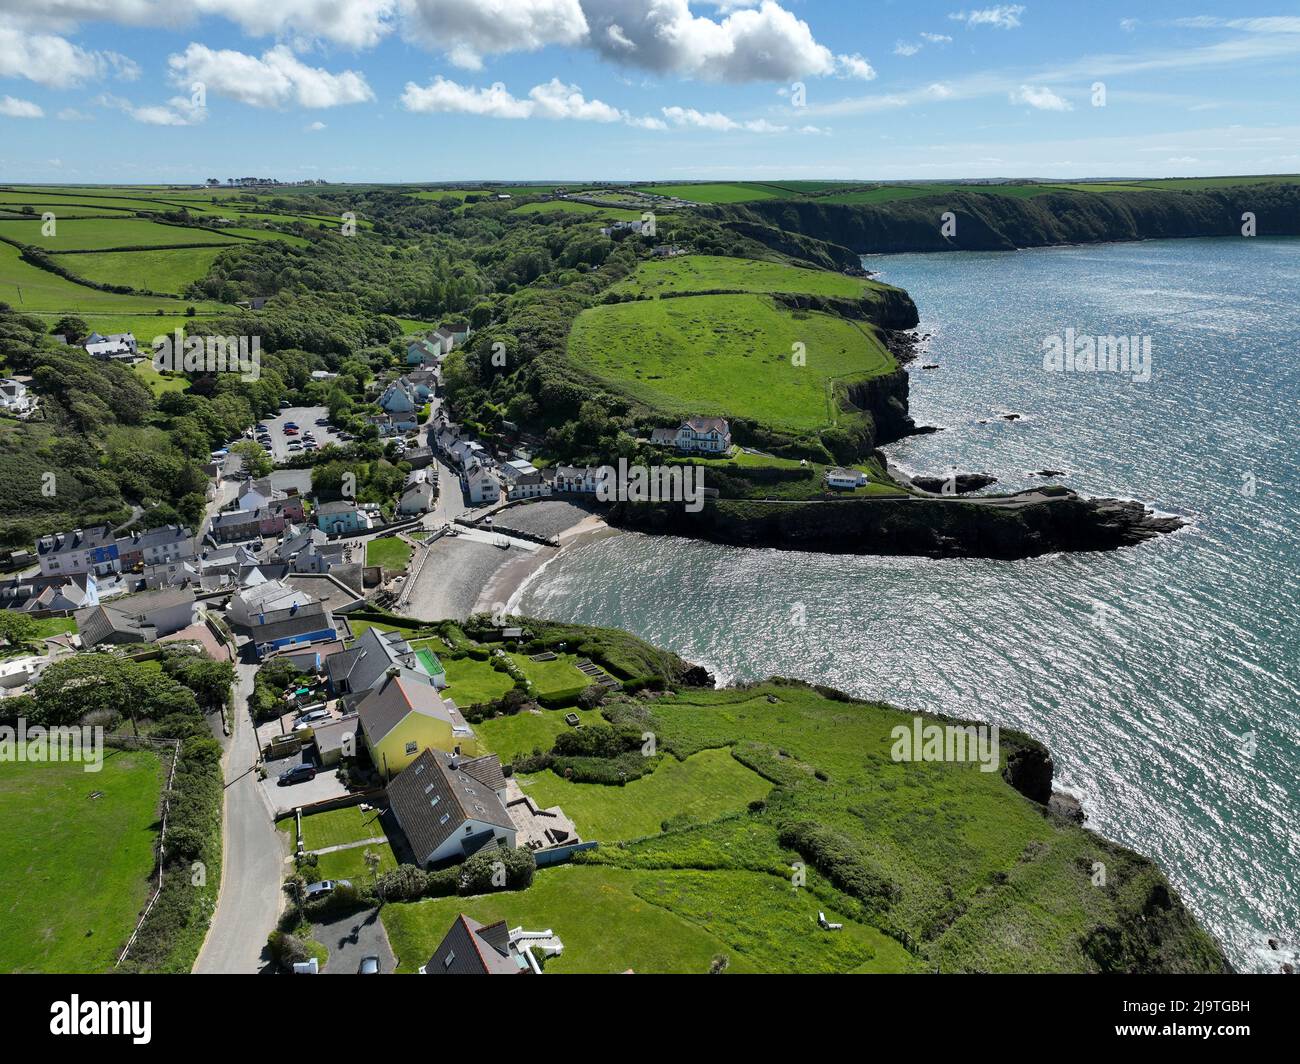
[445,90]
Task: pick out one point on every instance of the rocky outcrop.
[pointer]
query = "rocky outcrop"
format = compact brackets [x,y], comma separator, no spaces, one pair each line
[1032,524]
[955,484]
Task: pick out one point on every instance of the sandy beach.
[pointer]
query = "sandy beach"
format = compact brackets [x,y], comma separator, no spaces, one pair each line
[501,591]
[462,576]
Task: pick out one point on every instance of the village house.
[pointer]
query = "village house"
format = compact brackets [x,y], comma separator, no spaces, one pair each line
[15,397]
[340,517]
[418,458]
[142,618]
[481,484]
[530,486]
[368,663]
[400,398]
[843,479]
[418,494]
[89,550]
[446,809]
[404,716]
[696,435]
[43,595]
[471,948]
[235,526]
[573,480]
[424,353]
[114,346]
[156,546]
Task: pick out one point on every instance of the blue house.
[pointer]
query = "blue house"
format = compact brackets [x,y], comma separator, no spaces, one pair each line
[341,516]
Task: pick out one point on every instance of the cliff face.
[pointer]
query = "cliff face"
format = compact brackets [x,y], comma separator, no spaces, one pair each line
[928,528]
[992,222]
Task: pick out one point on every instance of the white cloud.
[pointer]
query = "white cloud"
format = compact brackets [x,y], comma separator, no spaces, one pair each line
[905,49]
[71,114]
[1041,98]
[354,23]
[178,111]
[315,127]
[854,66]
[11,107]
[1004,16]
[467,30]
[936,38]
[551,100]
[56,62]
[277,79]
[760,42]
[717,122]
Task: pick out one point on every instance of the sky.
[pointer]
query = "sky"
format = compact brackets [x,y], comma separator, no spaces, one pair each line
[103,91]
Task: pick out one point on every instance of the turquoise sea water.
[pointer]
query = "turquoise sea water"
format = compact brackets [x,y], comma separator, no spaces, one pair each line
[1165,678]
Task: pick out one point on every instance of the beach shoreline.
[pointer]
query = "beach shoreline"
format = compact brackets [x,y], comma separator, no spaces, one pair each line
[503,589]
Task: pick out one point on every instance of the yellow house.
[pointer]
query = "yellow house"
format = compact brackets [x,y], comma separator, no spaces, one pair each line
[403,717]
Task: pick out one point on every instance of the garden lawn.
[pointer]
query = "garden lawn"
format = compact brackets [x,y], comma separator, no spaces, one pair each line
[728,355]
[556,680]
[334,827]
[470,681]
[522,733]
[705,786]
[76,869]
[605,925]
[391,553]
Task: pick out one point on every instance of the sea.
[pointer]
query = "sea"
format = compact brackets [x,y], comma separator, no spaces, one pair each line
[1165,678]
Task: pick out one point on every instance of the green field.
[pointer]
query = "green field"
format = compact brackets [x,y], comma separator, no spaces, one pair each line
[170,271]
[391,552]
[338,827]
[729,355]
[705,786]
[521,733]
[76,869]
[614,214]
[723,192]
[704,273]
[30,289]
[98,233]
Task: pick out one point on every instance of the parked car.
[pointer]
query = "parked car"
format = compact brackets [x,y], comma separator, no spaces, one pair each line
[297,774]
[291,432]
[324,887]
[291,424]
[368,966]
[220,454]
[313,715]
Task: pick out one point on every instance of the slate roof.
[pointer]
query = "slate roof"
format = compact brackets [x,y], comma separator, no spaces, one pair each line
[471,948]
[433,797]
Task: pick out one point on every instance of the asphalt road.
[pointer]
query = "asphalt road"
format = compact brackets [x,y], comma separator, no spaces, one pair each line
[349,938]
[253,864]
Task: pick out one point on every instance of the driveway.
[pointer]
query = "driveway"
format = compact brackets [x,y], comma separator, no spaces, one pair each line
[286,799]
[350,938]
[253,854]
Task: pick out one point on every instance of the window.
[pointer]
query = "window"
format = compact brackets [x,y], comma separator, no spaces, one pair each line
[444,818]
[412,747]
[450,959]
[469,828]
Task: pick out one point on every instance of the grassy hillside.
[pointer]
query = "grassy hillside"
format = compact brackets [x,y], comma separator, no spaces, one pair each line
[950,860]
[729,355]
[705,273]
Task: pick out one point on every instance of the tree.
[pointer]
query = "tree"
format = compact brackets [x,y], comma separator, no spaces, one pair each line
[256,462]
[67,690]
[17,629]
[73,327]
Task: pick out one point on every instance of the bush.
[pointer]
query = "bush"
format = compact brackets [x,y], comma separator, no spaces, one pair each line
[287,949]
[836,857]
[476,874]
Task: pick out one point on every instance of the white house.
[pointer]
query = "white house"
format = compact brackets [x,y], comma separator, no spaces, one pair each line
[115,345]
[399,398]
[580,480]
[845,479]
[15,398]
[481,484]
[516,468]
[418,493]
[696,435]
[530,486]
[88,550]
